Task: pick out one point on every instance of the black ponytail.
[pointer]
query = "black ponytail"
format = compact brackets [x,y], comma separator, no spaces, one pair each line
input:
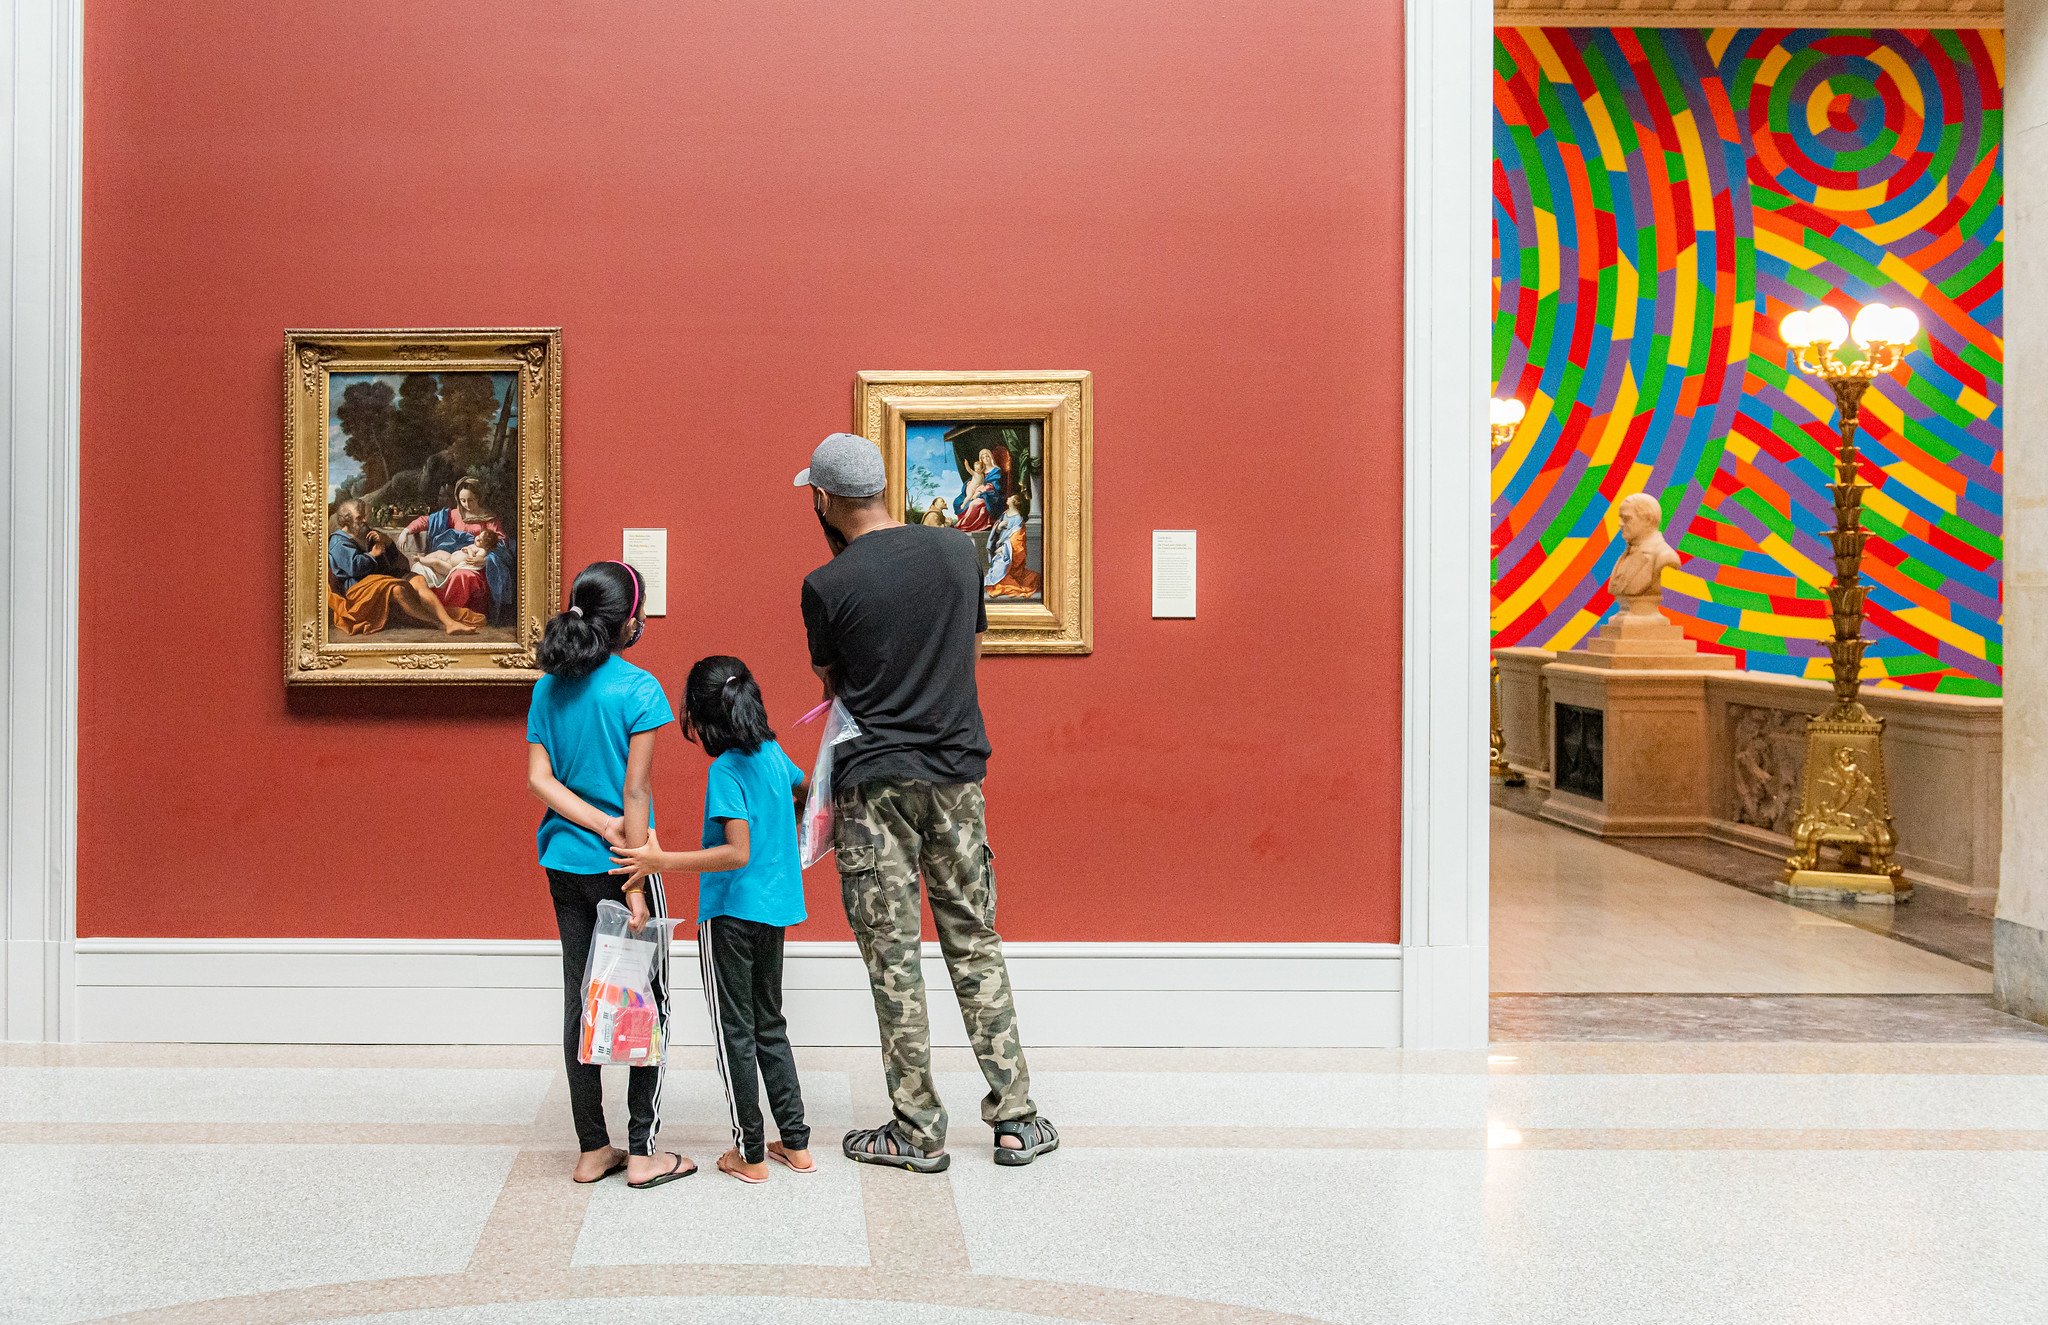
[723,709]
[604,598]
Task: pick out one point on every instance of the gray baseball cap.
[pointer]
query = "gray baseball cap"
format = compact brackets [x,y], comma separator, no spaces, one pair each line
[845,466]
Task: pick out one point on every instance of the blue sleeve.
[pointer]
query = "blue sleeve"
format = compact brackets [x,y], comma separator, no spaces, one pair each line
[651,708]
[724,798]
[347,560]
[796,774]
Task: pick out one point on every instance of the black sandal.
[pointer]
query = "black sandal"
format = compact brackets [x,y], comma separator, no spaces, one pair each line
[1035,1137]
[619,1167]
[887,1145]
[677,1172]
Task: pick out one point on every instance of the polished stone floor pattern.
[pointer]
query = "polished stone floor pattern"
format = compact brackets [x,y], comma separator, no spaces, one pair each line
[1574,915]
[1683,1183]
[1940,922]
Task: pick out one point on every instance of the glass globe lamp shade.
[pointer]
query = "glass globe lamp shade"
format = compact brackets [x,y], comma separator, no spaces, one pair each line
[1873,325]
[1796,330]
[1505,413]
[1905,327]
[1827,324]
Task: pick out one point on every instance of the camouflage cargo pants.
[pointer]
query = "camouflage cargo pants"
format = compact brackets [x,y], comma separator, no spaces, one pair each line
[886,834]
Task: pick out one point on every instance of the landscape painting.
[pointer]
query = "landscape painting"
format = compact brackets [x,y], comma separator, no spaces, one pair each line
[423,471]
[423,535]
[984,477]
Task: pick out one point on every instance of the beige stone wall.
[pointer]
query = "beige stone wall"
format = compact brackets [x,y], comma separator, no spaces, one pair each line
[2022,945]
[1734,772]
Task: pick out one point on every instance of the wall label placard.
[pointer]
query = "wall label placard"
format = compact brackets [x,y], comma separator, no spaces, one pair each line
[646,551]
[1173,572]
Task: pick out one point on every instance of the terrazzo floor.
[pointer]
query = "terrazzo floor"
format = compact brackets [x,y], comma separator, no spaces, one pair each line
[1680,1183]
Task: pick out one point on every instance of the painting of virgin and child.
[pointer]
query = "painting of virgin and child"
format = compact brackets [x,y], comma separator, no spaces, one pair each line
[983,478]
[422,472]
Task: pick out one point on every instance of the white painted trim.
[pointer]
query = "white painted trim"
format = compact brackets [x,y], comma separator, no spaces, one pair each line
[42,66]
[1445,530]
[402,991]
[841,948]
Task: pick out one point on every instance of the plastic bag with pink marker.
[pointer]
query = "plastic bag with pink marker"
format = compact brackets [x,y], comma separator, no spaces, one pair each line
[814,831]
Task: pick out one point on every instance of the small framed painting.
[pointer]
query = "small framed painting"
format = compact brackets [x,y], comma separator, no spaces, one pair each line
[423,504]
[1005,459]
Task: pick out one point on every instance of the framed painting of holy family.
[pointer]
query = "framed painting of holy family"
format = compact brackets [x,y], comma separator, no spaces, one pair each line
[1005,459]
[422,504]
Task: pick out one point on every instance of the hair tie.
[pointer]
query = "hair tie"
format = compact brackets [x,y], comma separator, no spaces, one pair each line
[575,610]
[729,680]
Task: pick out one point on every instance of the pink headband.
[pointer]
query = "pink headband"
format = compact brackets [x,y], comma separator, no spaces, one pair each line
[636,589]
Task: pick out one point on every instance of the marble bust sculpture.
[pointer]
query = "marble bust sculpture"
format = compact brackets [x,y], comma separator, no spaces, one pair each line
[1638,578]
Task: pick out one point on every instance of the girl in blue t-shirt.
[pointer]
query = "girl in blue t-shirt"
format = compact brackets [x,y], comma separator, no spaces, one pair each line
[590,759]
[749,889]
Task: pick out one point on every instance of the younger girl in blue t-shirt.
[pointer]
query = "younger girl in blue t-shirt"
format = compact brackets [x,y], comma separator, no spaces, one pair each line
[749,889]
[590,758]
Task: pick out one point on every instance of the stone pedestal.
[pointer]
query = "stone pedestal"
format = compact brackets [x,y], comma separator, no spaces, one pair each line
[1645,641]
[1652,750]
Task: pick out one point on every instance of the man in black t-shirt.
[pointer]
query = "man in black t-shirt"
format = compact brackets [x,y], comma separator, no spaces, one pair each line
[895,622]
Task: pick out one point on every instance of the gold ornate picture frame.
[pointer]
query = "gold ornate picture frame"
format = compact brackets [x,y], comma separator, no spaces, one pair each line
[423,504]
[1007,459]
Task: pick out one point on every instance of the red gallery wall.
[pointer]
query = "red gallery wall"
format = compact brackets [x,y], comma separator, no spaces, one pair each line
[729,210]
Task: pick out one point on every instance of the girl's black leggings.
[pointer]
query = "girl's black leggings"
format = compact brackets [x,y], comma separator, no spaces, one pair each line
[742,965]
[576,898]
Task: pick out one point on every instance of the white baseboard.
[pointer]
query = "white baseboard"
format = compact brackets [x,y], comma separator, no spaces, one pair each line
[402,991]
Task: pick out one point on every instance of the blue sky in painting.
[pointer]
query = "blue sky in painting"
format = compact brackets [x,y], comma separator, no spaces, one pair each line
[929,468]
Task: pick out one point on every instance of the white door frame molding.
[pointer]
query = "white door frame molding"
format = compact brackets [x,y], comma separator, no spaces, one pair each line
[1444,523]
[43,70]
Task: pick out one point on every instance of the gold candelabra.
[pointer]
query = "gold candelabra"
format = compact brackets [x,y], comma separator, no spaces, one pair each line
[1845,802]
[1502,415]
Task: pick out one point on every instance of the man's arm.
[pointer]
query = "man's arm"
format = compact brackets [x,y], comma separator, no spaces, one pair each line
[348,560]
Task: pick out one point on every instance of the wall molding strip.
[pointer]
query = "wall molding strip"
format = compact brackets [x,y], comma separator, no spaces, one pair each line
[43,68]
[432,991]
[1750,13]
[1445,526]
[832,948]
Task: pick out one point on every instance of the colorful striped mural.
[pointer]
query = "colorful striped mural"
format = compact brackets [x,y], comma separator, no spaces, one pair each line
[1661,199]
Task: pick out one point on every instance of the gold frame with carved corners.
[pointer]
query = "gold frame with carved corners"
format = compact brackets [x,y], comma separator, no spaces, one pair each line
[1063,404]
[311,657]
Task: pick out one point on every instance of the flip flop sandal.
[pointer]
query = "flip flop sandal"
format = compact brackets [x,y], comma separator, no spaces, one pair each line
[677,1172]
[1036,1137]
[887,1145]
[735,1173]
[780,1158]
[619,1167]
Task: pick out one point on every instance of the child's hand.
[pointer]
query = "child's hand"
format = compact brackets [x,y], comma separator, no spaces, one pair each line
[636,902]
[614,832]
[636,863]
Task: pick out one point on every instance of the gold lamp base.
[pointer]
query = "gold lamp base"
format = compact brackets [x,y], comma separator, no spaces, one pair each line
[1845,805]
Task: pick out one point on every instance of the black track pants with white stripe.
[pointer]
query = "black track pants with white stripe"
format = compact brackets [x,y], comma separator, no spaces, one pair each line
[576,898]
[742,964]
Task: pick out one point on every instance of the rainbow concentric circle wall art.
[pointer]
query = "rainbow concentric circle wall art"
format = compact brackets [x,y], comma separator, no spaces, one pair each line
[1661,199]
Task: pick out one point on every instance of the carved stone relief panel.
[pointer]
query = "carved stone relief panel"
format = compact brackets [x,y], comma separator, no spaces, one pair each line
[1768,754]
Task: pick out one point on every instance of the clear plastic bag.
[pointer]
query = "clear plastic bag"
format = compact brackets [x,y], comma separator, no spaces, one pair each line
[621,1019]
[814,832]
